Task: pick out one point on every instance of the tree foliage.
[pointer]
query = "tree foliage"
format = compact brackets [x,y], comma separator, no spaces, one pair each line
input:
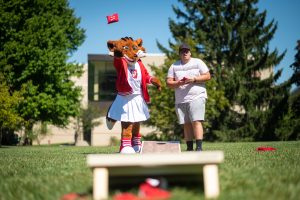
[9,117]
[296,66]
[162,107]
[37,38]
[290,125]
[233,39]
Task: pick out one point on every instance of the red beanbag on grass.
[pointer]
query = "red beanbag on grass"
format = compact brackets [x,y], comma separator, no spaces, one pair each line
[266,149]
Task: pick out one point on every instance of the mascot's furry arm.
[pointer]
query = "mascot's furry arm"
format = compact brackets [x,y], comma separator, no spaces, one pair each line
[131,50]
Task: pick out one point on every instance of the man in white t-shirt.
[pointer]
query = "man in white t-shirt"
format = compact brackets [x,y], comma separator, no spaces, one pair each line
[188,76]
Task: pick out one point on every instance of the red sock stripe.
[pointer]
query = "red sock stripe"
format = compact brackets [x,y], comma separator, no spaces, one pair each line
[136,140]
[136,143]
[125,142]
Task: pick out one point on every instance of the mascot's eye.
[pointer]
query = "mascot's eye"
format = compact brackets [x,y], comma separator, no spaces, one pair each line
[134,48]
[126,47]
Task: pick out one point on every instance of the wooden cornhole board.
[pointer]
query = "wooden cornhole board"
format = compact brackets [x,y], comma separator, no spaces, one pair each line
[160,147]
[105,166]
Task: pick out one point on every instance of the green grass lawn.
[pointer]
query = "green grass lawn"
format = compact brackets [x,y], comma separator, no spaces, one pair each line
[49,172]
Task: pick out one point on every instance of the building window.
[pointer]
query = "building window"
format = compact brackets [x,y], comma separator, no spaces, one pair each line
[107,77]
[102,79]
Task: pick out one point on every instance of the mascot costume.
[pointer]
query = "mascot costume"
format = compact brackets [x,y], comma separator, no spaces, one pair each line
[130,105]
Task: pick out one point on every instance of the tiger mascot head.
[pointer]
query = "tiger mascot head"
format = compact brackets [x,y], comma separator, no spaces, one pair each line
[131,50]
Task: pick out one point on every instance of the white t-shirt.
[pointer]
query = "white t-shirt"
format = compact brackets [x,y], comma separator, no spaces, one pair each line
[188,92]
[135,77]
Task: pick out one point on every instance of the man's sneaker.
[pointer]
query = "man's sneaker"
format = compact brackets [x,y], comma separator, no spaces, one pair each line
[110,123]
[198,149]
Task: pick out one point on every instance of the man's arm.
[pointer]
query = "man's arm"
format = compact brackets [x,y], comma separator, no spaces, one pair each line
[202,78]
[171,83]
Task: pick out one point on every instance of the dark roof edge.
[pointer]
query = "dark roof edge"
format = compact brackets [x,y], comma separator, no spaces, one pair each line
[106,57]
[100,57]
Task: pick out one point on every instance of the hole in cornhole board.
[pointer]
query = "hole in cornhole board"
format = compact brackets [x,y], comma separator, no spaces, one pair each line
[125,183]
[160,147]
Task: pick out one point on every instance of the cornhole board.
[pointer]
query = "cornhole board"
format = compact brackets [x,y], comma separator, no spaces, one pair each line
[160,146]
[105,166]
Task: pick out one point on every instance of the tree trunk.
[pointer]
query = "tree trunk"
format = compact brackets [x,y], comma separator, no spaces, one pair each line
[28,134]
[79,141]
[0,137]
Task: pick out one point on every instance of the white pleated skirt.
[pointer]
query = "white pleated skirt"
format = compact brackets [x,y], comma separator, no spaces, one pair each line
[129,108]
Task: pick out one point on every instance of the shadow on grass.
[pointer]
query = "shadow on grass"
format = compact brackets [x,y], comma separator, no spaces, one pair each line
[77,196]
[180,186]
[185,182]
[99,152]
[5,147]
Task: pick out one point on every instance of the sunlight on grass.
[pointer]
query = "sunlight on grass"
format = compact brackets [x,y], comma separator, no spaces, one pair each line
[49,172]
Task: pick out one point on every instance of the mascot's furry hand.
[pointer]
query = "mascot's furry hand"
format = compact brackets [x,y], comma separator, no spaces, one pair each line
[131,50]
[156,82]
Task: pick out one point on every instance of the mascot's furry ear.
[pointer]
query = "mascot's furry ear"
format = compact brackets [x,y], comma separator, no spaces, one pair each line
[140,44]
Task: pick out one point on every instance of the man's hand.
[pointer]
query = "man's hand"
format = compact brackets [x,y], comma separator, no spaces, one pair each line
[187,80]
[156,82]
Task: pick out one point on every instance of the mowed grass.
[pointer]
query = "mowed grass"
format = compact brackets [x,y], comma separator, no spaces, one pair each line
[49,172]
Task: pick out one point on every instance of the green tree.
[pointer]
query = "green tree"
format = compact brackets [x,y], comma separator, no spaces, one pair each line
[162,107]
[289,128]
[233,39]
[295,79]
[9,118]
[37,38]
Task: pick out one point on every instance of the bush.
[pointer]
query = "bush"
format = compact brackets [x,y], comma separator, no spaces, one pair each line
[9,137]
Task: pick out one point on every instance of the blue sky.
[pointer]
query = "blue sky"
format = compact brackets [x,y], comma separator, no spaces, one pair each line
[148,19]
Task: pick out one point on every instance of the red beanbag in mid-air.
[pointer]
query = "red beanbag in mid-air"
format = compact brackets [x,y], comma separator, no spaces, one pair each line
[112,18]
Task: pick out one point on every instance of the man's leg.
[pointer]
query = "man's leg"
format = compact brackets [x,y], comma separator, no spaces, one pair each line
[198,134]
[188,135]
